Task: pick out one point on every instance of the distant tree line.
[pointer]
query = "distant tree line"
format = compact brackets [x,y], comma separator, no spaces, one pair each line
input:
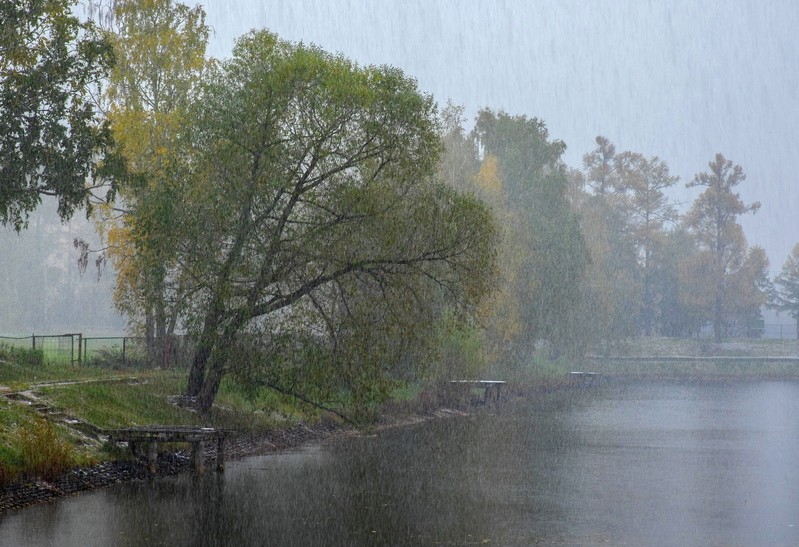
[590,257]
[680,273]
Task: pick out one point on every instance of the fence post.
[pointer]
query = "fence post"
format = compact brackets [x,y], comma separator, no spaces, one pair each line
[80,348]
[124,344]
[33,337]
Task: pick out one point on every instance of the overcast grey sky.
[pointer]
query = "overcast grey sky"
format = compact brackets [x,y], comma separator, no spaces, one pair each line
[681,80]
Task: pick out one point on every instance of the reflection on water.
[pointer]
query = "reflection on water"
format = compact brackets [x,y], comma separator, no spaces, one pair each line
[643,464]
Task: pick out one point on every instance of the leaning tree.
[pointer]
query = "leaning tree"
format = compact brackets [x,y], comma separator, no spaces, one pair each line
[310,206]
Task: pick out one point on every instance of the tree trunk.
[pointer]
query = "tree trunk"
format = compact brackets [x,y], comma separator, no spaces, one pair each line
[160,334]
[648,300]
[198,364]
[647,307]
[215,367]
[172,343]
[205,345]
[717,319]
[210,387]
[149,335]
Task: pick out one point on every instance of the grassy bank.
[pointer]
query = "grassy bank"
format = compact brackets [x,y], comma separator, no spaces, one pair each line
[45,399]
[700,358]
[703,347]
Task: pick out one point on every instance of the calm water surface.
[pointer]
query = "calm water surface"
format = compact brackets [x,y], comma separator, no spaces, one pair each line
[643,464]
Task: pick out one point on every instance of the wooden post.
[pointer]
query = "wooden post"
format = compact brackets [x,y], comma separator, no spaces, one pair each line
[152,456]
[197,448]
[491,394]
[220,453]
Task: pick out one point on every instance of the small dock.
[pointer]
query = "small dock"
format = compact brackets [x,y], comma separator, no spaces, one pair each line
[491,388]
[151,436]
[584,378]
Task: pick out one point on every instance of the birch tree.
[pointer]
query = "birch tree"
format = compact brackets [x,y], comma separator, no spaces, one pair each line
[159,46]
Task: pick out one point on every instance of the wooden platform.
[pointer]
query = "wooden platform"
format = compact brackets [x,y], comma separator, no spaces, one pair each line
[150,436]
[491,388]
[586,378]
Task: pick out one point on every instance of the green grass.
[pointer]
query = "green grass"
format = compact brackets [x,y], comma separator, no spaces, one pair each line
[740,347]
[696,368]
[146,400]
[17,376]
[745,358]
[123,403]
[31,446]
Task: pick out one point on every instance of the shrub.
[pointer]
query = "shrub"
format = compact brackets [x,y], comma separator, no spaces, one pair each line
[44,453]
[112,358]
[26,356]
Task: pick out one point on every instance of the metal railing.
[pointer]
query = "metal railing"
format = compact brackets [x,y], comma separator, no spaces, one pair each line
[111,351]
[64,348]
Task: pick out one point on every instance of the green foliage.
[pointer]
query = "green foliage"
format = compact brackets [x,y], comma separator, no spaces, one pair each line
[525,152]
[680,294]
[45,452]
[31,446]
[461,355]
[610,295]
[545,255]
[160,48]
[50,133]
[311,209]
[540,369]
[23,356]
[111,358]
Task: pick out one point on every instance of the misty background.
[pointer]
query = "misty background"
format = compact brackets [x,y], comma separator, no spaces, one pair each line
[679,80]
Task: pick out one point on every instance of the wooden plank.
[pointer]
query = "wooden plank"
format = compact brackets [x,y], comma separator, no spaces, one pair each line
[152,435]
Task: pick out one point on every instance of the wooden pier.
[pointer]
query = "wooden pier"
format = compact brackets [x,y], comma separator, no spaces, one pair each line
[585,378]
[150,437]
[491,388]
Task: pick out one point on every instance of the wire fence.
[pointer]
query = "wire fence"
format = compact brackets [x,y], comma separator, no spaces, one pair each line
[108,351]
[177,350]
[779,332]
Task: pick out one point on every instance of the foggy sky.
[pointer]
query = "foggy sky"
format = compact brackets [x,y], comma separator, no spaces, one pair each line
[681,80]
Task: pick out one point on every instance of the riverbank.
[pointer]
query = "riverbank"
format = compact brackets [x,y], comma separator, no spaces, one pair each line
[24,493]
[119,400]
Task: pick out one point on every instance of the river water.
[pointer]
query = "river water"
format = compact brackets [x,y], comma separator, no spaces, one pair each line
[633,464]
